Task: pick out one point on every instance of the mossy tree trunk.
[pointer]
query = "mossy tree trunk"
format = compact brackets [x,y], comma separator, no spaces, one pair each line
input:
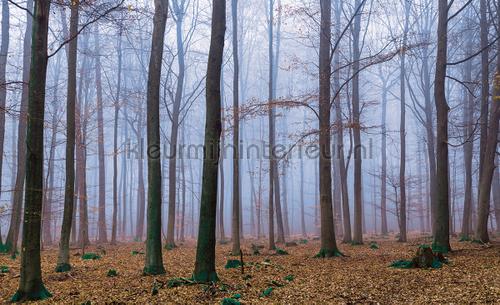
[30,284]
[154,260]
[63,263]
[204,270]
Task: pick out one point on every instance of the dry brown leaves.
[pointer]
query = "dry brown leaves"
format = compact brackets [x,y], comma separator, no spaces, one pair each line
[363,277]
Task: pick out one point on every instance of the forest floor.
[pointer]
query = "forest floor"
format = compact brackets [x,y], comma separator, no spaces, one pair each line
[362,277]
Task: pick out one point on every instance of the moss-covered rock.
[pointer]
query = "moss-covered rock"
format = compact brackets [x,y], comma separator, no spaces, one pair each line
[233,263]
[91,256]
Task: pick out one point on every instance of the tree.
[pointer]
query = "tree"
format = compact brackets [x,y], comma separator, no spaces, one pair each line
[402,128]
[488,166]
[236,134]
[346,217]
[4,50]
[441,225]
[101,222]
[154,260]
[63,264]
[204,270]
[30,284]
[15,219]
[358,200]
[115,140]
[328,242]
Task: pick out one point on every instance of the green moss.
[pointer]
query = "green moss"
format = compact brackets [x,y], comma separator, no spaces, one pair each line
[63,267]
[3,248]
[323,253]
[90,256]
[230,301]
[289,277]
[303,241]
[37,295]
[4,269]
[402,264]
[277,284]
[374,245]
[153,270]
[267,292]
[112,273]
[233,263]
[281,251]
[237,296]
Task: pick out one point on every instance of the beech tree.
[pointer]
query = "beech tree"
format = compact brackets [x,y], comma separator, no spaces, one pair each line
[154,260]
[204,270]
[30,283]
[63,263]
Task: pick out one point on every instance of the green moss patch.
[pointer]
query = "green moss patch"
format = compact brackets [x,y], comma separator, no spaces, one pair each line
[424,258]
[112,273]
[267,292]
[90,256]
[289,278]
[374,245]
[4,269]
[179,281]
[230,301]
[281,251]
[233,263]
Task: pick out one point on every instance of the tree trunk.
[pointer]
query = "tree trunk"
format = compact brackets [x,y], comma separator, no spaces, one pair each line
[383,175]
[63,264]
[141,196]
[114,226]
[340,135]
[328,242]
[236,134]
[402,128]
[485,86]
[179,11]
[468,130]
[30,285]
[441,220]
[4,52]
[15,219]
[204,270]
[222,232]
[488,166]
[154,260]
[358,195]
[496,195]
[102,230]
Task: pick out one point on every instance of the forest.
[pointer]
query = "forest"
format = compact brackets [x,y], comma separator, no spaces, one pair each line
[347,152]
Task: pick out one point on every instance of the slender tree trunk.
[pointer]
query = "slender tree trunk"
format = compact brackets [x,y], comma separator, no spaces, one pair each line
[4,52]
[302,200]
[222,181]
[441,220]
[102,230]
[496,195]
[272,244]
[183,189]
[15,219]
[468,130]
[63,263]
[358,195]
[236,134]
[114,226]
[141,196]
[154,260]
[340,134]
[402,128]
[383,175]
[178,10]
[204,270]
[30,284]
